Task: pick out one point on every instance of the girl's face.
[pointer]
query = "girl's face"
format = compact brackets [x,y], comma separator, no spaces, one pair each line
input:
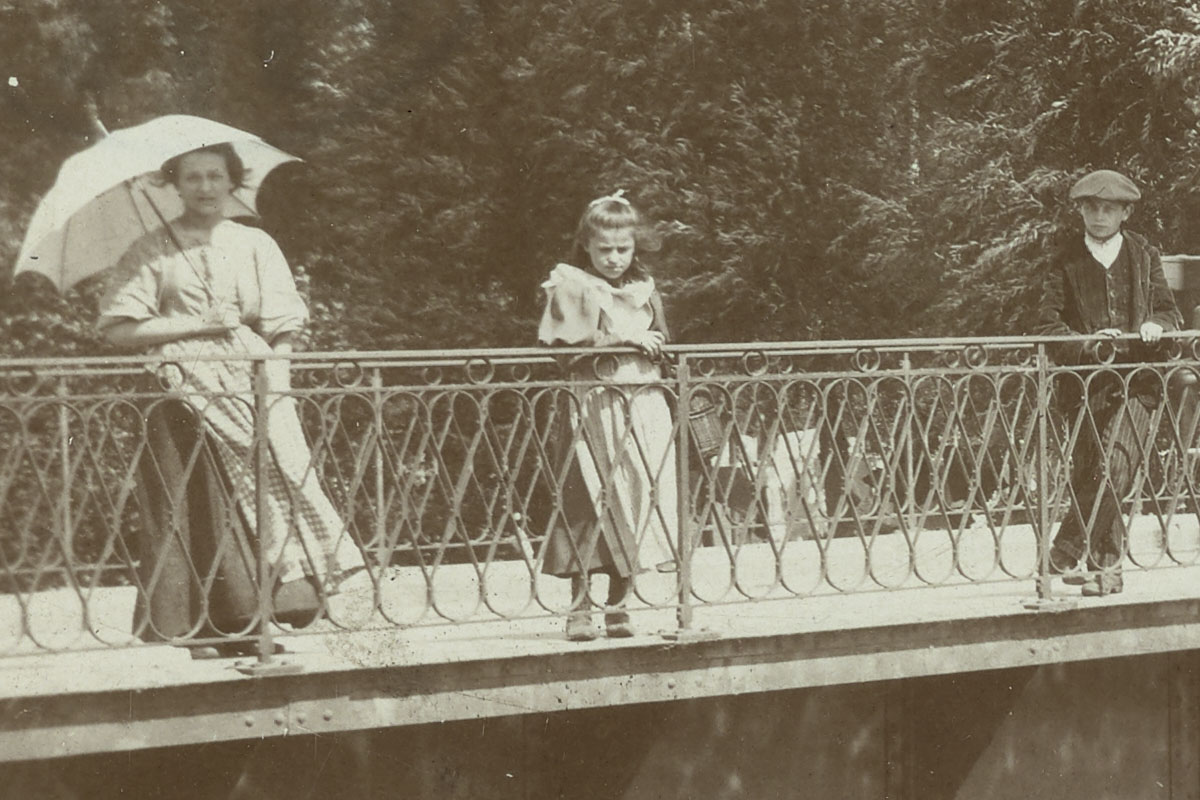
[611,251]
[204,183]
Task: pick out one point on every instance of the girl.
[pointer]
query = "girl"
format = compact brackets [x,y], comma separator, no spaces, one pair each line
[618,497]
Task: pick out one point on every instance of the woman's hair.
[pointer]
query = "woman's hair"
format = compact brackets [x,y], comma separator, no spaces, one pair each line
[607,213]
[233,163]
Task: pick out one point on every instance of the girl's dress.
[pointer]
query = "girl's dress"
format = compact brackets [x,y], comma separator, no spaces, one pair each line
[199,570]
[618,500]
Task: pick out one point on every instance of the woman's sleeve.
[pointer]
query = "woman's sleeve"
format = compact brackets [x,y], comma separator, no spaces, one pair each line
[132,292]
[572,313]
[282,310]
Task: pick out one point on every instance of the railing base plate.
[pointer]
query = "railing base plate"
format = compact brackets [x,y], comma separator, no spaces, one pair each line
[690,635]
[260,669]
[1051,604]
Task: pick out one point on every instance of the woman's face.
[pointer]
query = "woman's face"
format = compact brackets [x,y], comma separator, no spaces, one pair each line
[611,251]
[204,184]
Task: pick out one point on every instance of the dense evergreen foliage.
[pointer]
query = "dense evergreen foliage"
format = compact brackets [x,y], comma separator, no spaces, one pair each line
[821,169]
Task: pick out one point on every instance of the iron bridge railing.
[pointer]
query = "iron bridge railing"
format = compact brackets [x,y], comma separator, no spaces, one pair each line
[746,473]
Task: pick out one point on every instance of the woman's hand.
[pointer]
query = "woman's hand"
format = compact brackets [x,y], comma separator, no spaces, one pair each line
[279,371]
[278,374]
[221,318]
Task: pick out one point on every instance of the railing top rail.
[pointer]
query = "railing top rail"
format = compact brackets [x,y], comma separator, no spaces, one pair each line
[545,354]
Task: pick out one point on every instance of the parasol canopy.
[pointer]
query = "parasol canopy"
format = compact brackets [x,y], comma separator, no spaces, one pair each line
[108,195]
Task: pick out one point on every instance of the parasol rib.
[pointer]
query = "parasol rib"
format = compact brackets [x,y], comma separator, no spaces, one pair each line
[62,258]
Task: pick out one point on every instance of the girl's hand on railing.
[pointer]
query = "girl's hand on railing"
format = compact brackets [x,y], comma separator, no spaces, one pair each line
[650,342]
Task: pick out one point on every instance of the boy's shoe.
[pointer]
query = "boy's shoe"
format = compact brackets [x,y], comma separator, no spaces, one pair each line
[617,625]
[1068,566]
[1099,584]
[1077,577]
[1062,562]
[1082,574]
[580,627]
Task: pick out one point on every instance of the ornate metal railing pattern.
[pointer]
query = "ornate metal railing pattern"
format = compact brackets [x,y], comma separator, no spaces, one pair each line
[744,473]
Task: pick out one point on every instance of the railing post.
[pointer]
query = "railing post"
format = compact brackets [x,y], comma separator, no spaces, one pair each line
[1045,599]
[64,453]
[266,664]
[1044,588]
[684,613]
[912,428]
[380,533]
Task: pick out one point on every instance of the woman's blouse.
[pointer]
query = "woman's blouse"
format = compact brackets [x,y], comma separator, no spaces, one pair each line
[240,268]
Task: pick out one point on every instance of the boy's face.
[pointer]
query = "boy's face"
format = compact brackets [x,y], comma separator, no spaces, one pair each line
[1103,218]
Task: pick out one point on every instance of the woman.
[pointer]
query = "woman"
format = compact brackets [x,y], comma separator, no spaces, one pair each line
[204,286]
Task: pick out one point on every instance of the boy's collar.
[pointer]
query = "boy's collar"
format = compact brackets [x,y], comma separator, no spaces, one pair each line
[1092,241]
[1105,251]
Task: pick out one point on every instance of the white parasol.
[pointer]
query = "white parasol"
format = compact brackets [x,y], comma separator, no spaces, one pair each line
[108,195]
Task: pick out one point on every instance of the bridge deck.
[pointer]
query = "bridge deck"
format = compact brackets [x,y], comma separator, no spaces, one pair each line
[128,697]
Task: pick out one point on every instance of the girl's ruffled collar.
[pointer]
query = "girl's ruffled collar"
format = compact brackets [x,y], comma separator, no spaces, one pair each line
[635,292]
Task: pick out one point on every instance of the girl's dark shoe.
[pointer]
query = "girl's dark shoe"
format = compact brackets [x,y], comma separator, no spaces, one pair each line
[617,625]
[580,627]
[1103,583]
[245,647]
[230,649]
[203,652]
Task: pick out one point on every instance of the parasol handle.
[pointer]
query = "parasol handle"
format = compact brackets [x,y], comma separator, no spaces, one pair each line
[93,115]
[136,184]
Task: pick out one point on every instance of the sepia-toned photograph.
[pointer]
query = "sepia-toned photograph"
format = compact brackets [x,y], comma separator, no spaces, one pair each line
[599,399]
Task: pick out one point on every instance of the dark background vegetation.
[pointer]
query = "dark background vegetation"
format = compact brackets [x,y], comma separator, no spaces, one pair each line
[832,169]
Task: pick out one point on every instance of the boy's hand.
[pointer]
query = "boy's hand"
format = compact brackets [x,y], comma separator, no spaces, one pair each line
[1150,331]
[1101,352]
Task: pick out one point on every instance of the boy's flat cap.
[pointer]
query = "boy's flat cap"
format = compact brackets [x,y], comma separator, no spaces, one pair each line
[1106,184]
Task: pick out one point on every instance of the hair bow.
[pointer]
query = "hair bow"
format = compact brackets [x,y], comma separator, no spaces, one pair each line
[617,197]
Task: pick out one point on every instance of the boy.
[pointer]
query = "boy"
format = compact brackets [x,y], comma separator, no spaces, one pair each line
[1104,283]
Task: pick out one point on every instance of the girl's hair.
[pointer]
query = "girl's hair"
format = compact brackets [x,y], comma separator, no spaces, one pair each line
[233,163]
[607,213]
